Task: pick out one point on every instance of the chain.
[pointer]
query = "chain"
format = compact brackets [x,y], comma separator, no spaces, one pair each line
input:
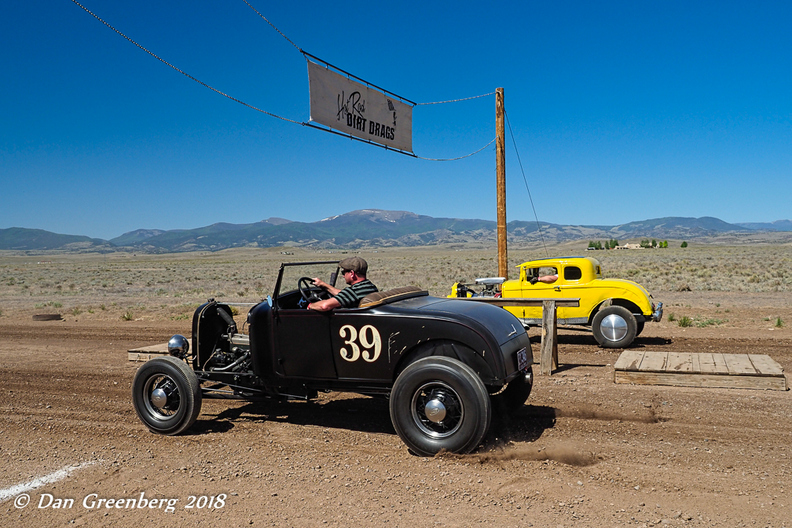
[183,72]
[460,157]
[458,100]
[273,26]
[97,17]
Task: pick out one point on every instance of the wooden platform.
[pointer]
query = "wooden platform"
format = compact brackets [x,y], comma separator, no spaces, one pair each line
[147,352]
[686,369]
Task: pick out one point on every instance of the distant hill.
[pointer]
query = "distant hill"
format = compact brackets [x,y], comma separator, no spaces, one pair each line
[135,237]
[778,225]
[678,227]
[375,227]
[20,238]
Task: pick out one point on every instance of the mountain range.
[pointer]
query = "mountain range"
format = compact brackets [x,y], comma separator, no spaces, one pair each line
[376,228]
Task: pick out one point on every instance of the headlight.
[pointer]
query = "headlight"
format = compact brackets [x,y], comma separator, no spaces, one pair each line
[178,346]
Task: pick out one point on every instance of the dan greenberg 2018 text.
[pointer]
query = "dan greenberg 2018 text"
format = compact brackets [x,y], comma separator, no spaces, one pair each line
[93,501]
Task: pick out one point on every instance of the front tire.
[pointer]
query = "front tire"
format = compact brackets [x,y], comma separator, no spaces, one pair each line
[614,327]
[166,395]
[440,404]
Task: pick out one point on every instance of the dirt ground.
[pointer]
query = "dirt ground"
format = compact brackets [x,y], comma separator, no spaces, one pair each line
[583,451]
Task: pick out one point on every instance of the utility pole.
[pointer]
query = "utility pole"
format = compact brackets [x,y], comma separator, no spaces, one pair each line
[500,176]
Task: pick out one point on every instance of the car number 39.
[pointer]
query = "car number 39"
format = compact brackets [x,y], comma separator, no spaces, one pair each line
[364,343]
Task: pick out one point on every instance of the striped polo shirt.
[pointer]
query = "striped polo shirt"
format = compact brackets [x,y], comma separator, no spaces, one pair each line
[350,296]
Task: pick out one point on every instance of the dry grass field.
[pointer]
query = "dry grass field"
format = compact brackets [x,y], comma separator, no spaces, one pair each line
[137,286]
[584,451]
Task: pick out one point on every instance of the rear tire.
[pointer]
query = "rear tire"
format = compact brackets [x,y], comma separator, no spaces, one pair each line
[614,327]
[166,395]
[440,404]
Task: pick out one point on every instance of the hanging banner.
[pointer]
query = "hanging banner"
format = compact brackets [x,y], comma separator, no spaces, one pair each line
[358,110]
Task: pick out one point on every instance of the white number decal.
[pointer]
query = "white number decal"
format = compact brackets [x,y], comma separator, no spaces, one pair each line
[369,342]
[354,354]
[369,339]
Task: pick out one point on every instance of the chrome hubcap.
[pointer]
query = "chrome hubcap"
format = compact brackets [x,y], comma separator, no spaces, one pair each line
[435,411]
[613,327]
[159,398]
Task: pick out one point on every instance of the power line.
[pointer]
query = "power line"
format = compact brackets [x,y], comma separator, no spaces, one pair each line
[307,55]
[530,198]
[302,123]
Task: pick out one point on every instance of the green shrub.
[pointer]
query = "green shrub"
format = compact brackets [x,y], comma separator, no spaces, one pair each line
[685,321]
[710,322]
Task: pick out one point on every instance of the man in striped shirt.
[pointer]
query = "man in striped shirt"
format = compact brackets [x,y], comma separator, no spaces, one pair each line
[354,270]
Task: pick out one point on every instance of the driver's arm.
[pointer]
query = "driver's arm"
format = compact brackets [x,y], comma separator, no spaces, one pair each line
[325,305]
[322,284]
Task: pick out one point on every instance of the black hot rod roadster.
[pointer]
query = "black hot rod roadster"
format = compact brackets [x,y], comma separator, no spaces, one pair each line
[443,363]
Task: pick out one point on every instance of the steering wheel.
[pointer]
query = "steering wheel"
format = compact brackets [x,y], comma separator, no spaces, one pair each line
[305,287]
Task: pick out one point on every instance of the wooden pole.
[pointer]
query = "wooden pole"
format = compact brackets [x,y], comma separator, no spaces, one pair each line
[500,176]
[548,357]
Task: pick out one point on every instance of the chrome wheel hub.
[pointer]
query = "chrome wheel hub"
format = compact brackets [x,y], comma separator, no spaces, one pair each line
[435,411]
[613,327]
[159,398]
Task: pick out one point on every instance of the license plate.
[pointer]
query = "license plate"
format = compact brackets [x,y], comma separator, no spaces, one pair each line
[522,359]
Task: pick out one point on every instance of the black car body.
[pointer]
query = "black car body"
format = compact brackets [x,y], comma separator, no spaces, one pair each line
[442,362]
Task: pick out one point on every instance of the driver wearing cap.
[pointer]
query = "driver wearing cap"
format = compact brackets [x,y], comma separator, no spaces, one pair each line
[354,270]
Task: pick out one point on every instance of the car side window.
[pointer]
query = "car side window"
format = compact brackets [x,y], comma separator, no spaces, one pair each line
[572,273]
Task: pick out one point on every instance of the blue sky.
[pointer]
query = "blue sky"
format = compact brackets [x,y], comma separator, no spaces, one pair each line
[620,111]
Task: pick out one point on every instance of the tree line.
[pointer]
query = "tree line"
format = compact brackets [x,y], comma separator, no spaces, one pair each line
[645,243]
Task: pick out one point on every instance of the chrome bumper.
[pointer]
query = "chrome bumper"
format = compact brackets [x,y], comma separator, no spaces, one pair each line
[657,314]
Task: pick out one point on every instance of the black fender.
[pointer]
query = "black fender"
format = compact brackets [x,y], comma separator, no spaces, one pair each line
[447,348]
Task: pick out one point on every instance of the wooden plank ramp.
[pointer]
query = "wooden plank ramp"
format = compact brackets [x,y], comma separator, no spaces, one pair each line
[687,369]
[147,352]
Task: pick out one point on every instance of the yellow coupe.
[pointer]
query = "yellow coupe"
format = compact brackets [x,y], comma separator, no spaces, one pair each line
[615,309]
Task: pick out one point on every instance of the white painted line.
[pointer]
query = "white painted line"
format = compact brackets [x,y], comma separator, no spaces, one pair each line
[61,474]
